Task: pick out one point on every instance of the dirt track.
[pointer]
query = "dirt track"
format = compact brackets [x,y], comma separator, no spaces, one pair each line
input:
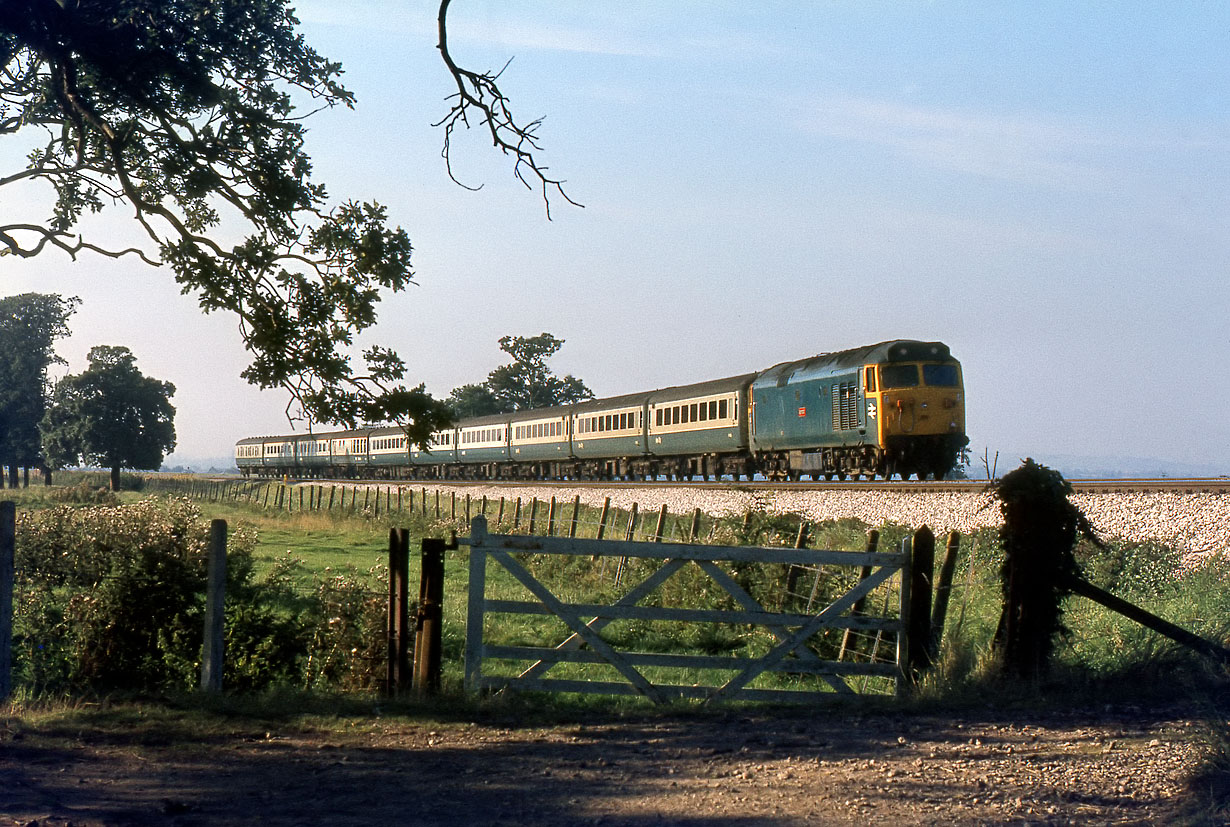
[1108,767]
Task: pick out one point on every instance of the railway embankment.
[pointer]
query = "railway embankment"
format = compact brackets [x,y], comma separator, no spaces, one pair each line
[1196,524]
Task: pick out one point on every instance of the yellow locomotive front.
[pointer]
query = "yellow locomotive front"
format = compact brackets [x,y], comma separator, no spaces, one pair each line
[918,403]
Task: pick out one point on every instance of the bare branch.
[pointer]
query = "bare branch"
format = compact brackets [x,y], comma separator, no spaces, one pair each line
[480,93]
[60,240]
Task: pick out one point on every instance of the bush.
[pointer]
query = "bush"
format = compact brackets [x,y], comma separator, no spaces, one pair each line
[112,598]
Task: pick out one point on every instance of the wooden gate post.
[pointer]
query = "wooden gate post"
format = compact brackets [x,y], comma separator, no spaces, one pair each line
[397,674]
[215,602]
[429,620]
[8,550]
[922,571]
[943,588]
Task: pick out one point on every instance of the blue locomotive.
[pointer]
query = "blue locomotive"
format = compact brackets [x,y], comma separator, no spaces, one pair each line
[894,408]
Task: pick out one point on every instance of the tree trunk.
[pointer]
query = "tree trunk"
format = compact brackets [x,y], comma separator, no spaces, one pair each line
[13,475]
[25,477]
[46,475]
[115,478]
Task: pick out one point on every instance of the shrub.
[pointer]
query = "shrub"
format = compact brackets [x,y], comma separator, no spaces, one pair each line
[112,598]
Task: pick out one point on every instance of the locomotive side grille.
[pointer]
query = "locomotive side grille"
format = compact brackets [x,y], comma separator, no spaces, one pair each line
[845,406]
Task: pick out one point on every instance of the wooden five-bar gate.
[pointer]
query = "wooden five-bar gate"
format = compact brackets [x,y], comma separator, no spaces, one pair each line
[789,651]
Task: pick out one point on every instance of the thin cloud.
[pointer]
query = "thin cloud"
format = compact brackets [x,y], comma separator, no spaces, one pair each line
[1005,147]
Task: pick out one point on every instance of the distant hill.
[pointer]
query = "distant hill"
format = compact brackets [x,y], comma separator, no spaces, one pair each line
[198,465]
[1086,467]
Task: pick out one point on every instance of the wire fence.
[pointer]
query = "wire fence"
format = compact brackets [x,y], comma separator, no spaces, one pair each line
[436,511]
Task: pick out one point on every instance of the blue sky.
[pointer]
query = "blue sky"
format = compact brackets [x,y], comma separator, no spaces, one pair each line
[1043,186]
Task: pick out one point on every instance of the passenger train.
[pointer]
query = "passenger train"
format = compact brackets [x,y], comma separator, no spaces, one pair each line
[894,408]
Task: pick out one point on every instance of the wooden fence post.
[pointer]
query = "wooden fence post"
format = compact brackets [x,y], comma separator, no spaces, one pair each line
[606,510]
[943,588]
[694,532]
[215,603]
[576,510]
[8,551]
[397,674]
[657,532]
[551,519]
[795,572]
[873,542]
[428,621]
[631,532]
[922,573]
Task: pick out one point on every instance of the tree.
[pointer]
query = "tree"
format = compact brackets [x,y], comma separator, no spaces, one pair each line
[187,113]
[473,400]
[29,325]
[525,384]
[110,415]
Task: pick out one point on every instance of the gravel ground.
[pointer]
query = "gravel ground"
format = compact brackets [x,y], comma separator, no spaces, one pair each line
[1198,524]
[1102,766]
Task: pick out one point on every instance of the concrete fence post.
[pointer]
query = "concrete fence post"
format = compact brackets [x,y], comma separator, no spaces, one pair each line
[215,600]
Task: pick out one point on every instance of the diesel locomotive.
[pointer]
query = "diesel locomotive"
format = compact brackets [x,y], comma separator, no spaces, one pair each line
[893,408]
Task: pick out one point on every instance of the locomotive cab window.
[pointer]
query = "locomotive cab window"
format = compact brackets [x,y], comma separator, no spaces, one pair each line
[941,376]
[869,379]
[899,376]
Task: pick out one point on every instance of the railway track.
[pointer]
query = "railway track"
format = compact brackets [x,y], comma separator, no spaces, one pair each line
[1208,485]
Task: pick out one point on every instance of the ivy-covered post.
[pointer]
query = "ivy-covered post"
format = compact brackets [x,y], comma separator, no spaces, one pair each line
[1038,536]
[8,547]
